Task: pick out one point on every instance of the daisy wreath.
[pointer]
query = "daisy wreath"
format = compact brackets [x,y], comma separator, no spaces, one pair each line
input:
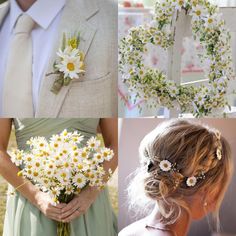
[153,86]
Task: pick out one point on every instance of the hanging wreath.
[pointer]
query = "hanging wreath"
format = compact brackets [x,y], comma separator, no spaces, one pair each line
[152,85]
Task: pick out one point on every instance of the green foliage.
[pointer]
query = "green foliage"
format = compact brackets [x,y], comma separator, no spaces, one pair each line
[2,1]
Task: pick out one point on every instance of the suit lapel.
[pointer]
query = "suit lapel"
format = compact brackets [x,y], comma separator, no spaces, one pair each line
[75,17]
[4,8]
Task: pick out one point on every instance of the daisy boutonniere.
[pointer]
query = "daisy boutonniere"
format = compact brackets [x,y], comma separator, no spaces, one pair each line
[69,64]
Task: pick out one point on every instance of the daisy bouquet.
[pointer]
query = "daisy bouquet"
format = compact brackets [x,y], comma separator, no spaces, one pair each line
[63,165]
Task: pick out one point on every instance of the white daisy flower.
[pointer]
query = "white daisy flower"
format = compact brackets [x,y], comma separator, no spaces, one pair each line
[107,154]
[218,134]
[198,12]
[69,190]
[165,165]
[219,154]
[191,181]
[179,4]
[55,192]
[83,153]
[71,64]
[98,157]
[17,157]
[199,99]
[212,21]
[93,143]
[68,52]
[79,180]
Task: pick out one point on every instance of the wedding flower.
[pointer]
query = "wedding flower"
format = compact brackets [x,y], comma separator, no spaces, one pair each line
[94,143]
[191,181]
[179,4]
[61,165]
[98,157]
[107,154]
[79,180]
[198,11]
[165,165]
[218,134]
[219,154]
[212,21]
[152,85]
[71,66]
[70,63]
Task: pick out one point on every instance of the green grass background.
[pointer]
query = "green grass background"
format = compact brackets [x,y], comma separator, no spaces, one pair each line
[3,189]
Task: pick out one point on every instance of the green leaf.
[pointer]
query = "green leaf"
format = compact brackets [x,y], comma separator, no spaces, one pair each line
[63,42]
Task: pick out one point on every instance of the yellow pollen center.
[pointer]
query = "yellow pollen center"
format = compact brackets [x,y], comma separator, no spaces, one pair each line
[198,12]
[70,66]
[210,20]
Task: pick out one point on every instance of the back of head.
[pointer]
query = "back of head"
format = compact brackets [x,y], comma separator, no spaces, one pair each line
[178,160]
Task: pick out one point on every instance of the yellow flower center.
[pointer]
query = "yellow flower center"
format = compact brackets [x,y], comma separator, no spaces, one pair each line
[166,165]
[35,174]
[198,12]
[80,167]
[84,154]
[70,66]
[210,20]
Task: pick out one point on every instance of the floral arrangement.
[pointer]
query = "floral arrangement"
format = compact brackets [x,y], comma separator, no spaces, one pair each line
[153,86]
[70,64]
[63,166]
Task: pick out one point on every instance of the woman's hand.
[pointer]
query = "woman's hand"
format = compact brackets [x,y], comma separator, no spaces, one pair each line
[79,205]
[45,204]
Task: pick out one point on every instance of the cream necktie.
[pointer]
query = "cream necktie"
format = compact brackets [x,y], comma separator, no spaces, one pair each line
[17,89]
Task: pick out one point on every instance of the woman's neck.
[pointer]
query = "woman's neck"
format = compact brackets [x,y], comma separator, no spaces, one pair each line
[25,4]
[180,227]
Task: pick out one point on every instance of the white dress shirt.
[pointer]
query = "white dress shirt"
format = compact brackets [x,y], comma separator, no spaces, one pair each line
[47,15]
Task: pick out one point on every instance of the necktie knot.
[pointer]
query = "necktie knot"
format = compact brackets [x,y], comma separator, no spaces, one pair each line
[25,24]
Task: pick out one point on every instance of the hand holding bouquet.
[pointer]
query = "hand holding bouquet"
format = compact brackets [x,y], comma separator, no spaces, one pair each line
[62,166]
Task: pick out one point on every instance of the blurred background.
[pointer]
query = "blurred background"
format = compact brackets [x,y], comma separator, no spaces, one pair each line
[132,131]
[112,186]
[137,12]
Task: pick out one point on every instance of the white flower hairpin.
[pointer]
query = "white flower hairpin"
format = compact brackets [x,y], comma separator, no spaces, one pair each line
[165,165]
[192,181]
[219,147]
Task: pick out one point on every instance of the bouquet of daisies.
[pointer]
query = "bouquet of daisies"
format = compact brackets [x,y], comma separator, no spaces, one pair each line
[62,166]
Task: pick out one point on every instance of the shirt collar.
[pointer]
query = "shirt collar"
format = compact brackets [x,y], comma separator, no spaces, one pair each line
[43,12]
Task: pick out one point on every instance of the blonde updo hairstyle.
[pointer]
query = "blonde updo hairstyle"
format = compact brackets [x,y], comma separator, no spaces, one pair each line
[193,148]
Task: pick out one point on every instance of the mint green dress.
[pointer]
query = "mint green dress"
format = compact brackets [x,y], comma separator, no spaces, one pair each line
[24,219]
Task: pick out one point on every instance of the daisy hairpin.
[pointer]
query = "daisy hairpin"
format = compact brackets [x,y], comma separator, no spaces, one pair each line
[166,166]
[219,147]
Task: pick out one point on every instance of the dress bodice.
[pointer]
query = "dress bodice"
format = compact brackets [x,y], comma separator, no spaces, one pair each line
[27,128]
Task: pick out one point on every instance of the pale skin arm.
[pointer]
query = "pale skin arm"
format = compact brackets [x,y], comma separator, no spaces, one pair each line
[9,172]
[87,196]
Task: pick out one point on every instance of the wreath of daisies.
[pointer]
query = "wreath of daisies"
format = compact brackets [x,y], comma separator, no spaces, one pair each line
[153,86]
